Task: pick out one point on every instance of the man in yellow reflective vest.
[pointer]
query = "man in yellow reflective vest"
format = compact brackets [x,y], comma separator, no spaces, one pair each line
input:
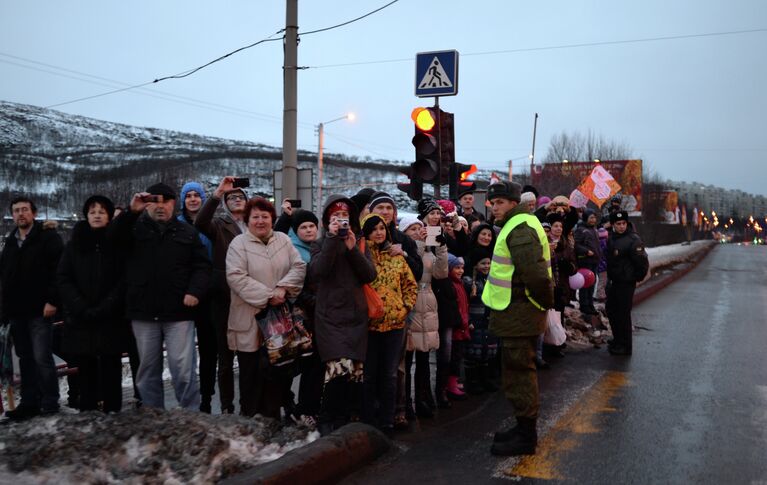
[518,291]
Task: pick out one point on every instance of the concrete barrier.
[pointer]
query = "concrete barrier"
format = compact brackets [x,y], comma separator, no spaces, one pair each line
[651,287]
[325,460]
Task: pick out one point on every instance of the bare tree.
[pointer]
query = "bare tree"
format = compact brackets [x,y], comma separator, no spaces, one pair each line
[577,147]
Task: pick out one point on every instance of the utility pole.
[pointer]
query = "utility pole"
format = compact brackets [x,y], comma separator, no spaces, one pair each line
[320,148]
[532,153]
[290,111]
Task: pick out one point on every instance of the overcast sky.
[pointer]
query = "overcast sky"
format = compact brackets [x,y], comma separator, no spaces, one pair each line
[693,109]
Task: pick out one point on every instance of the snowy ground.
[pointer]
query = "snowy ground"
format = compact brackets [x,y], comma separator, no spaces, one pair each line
[141,446]
[151,446]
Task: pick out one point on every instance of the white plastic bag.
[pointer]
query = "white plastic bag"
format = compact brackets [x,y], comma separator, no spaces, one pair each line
[555,332]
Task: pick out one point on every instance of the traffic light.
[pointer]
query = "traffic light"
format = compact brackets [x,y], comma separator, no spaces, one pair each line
[414,188]
[458,178]
[446,142]
[426,143]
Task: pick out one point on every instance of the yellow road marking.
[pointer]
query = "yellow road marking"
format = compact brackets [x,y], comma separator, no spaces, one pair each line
[580,419]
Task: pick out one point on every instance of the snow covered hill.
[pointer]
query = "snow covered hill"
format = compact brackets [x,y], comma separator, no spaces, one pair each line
[61,159]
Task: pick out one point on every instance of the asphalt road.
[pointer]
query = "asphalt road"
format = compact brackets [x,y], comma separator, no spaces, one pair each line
[690,406]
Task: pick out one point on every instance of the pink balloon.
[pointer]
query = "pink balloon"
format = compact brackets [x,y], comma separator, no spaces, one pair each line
[577,281]
[589,277]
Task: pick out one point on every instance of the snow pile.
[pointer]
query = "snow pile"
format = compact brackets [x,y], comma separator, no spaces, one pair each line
[675,253]
[141,446]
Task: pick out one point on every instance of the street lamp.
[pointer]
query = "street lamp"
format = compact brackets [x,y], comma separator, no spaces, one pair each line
[320,144]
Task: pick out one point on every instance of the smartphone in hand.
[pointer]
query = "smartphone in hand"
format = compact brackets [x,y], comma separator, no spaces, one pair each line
[241,182]
[431,235]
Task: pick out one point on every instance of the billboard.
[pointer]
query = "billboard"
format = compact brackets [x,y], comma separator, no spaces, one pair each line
[561,178]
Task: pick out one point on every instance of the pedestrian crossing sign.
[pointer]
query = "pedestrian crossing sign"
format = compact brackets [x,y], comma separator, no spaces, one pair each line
[436,73]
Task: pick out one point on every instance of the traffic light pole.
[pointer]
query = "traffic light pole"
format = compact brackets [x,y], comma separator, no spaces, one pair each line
[439,149]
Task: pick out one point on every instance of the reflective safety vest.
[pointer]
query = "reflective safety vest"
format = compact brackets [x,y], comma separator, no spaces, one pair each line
[497,292]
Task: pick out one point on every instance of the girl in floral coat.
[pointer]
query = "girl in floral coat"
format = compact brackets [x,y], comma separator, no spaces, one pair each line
[397,288]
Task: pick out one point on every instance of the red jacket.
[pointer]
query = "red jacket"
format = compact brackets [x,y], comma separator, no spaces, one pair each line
[462,332]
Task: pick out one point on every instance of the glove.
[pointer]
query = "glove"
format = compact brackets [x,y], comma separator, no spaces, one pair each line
[440,239]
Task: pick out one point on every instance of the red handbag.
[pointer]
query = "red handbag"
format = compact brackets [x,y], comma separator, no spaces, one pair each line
[375,303]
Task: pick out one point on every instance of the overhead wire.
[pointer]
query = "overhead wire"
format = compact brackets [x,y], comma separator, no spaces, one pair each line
[349,21]
[556,47]
[189,72]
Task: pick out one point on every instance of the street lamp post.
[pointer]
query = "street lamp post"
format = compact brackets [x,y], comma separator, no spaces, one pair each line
[320,148]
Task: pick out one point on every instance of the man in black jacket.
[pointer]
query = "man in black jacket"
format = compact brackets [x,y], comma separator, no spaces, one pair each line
[627,265]
[29,302]
[167,273]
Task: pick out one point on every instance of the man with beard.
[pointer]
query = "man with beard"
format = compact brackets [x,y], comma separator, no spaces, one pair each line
[29,302]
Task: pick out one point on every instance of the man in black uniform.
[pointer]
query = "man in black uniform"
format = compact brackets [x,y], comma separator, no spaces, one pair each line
[627,265]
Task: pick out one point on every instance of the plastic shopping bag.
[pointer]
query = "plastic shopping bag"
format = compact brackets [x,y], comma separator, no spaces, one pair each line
[555,332]
[285,336]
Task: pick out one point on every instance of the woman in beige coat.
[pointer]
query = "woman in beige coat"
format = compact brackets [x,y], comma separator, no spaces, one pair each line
[423,330]
[263,269]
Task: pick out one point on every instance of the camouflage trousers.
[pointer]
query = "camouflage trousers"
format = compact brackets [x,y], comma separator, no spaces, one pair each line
[520,378]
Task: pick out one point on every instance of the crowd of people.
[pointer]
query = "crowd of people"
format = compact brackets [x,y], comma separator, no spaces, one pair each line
[375,291]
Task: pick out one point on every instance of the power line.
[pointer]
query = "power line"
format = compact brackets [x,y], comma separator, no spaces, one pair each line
[174,76]
[348,21]
[556,47]
[192,71]
[103,81]
[189,72]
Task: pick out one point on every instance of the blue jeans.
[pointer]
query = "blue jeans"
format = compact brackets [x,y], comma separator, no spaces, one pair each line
[33,340]
[182,362]
[381,363]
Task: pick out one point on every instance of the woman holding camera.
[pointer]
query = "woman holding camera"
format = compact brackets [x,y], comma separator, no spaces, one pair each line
[339,269]
[263,269]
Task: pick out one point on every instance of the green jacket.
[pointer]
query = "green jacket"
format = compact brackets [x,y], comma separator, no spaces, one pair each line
[521,318]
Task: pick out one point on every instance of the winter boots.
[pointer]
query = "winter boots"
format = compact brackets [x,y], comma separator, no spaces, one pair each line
[519,440]
[453,391]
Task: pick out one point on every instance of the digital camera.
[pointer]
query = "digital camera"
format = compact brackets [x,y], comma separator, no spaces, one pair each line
[343,227]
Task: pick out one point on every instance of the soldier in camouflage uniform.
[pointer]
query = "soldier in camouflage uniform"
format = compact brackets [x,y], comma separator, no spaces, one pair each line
[519,290]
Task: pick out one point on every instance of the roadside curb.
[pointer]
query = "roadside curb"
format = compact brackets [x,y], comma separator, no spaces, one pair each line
[325,460]
[645,292]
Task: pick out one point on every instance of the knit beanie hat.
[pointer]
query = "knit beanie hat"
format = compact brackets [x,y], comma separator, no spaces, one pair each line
[542,200]
[101,200]
[479,253]
[448,207]
[337,206]
[453,261]
[588,213]
[527,197]
[191,187]
[603,234]
[427,205]
[553,217]
[362,197]
[408,221]
[162,189]
[370,222]
[300,216]
[380,198]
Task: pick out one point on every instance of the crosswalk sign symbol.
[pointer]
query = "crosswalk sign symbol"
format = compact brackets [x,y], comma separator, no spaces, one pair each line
[435,76]
[436,73]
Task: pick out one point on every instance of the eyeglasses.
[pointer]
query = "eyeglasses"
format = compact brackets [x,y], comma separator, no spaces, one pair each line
[235,197]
